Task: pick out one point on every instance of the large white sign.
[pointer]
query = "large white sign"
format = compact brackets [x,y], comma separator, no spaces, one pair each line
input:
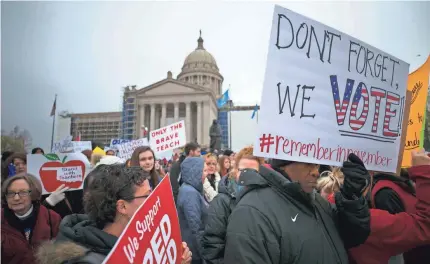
[168,138]
[327,94]
[68,146]
[125,150]
[54,170]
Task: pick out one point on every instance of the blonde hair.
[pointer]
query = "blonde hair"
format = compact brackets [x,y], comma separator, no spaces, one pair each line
[95,158]
[330,180]
[245,153]
[248,153]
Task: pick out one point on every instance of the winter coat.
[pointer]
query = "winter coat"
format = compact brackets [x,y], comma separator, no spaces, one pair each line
[174,173]
[274,221]
[79,241]
[393,234]
[15,249]
[209,190]
[219,210]
[192,207]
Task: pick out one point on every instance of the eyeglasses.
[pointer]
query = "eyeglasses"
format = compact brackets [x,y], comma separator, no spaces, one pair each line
[20,194]
[142,196]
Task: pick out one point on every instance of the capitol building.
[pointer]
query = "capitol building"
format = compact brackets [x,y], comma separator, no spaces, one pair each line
[191,97]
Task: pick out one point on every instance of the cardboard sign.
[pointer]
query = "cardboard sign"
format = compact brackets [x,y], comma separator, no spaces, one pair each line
[68,146]
[54,170]
[327,94]
[418,82]
[153,234]
[126,149]
[169,137]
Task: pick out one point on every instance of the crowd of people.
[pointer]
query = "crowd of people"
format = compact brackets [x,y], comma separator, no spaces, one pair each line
[232,208]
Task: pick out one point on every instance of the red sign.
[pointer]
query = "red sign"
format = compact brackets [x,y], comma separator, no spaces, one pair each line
[153,235]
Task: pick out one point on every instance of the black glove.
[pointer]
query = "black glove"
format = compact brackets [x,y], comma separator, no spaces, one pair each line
[357,178]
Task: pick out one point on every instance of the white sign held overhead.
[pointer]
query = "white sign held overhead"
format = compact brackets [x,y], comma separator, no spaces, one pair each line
[169,137]
[125,150]
[327,94]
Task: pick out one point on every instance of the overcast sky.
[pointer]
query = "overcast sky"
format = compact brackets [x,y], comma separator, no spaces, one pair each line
[86,51]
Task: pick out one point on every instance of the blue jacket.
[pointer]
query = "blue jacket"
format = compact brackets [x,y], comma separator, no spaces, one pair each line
[192,207]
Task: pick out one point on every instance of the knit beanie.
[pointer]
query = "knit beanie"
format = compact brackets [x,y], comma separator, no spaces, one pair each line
[277,163]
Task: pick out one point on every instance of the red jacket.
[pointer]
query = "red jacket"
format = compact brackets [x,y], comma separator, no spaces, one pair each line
[391,234]
[15,249]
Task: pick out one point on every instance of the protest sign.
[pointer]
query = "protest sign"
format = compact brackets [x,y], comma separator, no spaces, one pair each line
[126,149]
[418,82]
[116,141]
[169,137]
[153,235]
[54,170]
[327,94]
[68,146]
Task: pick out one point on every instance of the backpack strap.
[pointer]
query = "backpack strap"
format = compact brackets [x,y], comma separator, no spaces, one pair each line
[50,225]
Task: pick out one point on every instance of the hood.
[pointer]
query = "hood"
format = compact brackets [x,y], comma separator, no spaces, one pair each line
[51,252]
[227,186]
[402,182]
[192,171]
[79,229]
[109,160]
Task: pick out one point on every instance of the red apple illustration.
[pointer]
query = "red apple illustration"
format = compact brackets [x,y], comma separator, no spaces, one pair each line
[48,172]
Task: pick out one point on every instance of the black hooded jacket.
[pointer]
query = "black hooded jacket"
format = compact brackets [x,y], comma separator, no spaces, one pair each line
[274,221]
[216,227]
[78,241]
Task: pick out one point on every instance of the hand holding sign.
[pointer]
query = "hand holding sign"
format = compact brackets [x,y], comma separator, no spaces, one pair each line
[58,195]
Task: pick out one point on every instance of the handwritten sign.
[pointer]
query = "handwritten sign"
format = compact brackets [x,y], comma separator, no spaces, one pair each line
[126,149]
[327,94]
[153,235]
[169,137]
[418,82]
[66,146]
[54,170]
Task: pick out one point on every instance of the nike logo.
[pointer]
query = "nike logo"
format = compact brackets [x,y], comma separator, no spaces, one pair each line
[294,219]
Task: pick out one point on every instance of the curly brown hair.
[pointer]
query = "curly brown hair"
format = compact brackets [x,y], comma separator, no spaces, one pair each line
[109,184]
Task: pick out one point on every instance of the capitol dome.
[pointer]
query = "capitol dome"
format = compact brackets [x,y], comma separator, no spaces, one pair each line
[200,68]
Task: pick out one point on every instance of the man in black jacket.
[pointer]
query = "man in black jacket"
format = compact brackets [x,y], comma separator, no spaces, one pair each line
[279,218]
[191,149]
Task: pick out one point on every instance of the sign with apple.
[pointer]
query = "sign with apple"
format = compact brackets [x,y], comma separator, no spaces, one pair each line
[54,170]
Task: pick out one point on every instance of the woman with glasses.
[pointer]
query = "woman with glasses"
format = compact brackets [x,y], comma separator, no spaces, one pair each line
[113,195]
[25,223]
[211,182]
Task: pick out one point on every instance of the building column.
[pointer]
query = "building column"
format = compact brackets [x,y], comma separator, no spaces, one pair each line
[188,121]
[152,118]
[199,122]
[142,121]
[176,116]
[163,116]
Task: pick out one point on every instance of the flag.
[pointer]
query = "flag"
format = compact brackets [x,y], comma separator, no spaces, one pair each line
[223,100]
[255,111]
[54,107]
[78,138]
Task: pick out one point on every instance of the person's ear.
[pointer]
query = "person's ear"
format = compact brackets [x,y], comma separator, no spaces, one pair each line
[121,207]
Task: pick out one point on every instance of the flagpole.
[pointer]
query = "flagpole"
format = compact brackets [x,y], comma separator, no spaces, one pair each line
[229,124]
[257,112]
[53,123]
